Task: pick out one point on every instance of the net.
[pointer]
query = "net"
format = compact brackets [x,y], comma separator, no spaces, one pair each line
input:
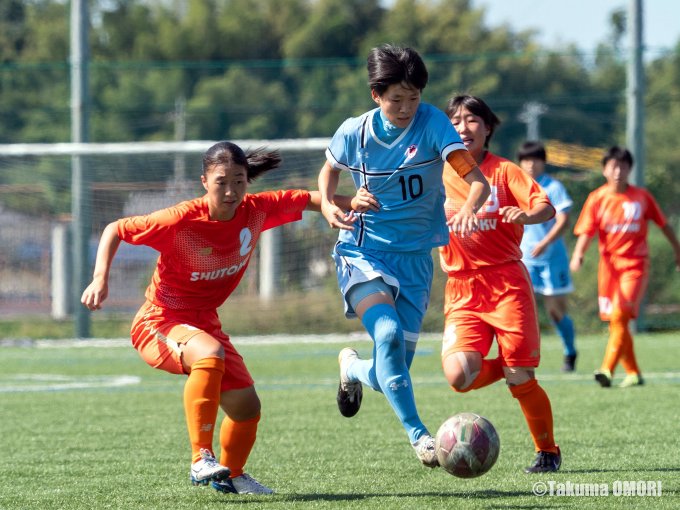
[290,283]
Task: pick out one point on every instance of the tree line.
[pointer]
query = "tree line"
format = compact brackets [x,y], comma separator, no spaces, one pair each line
[289,68]
[267,69]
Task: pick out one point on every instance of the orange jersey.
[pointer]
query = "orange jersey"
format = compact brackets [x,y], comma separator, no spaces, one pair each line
[201,260]
[620,220]
[495,242]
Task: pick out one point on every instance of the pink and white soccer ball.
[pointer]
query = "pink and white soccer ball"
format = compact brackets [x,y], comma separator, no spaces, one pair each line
[467,445]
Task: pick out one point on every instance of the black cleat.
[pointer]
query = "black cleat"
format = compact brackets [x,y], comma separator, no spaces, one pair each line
[569,363]
[350,393]
[545,462]
[604,377]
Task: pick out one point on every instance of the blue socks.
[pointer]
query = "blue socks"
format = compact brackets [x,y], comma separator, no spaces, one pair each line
[565,328]
[388,372]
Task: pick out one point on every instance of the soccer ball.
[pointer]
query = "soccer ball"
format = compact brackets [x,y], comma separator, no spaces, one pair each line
[467,445]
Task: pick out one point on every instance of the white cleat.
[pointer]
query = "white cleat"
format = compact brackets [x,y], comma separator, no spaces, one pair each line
[426,452]
[350,393]
[207,468]
[246,484]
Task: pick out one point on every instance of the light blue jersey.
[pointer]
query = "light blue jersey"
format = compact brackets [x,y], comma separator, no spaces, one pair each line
[533,234]
[549,272]
[405,176]
[390,249]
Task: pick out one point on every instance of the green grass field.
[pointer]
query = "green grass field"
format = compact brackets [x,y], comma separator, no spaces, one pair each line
[91,426]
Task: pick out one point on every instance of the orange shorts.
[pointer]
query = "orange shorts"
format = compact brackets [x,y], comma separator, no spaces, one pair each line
[492,302]
[621,284]
[157,334]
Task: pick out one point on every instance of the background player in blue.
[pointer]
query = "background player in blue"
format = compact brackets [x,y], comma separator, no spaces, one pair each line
[383,259]
[544,250]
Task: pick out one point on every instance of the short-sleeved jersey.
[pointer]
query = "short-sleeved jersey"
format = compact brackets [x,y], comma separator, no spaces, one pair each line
[405,176]
[533,234]
[202,260]
[495,242]
[619,220]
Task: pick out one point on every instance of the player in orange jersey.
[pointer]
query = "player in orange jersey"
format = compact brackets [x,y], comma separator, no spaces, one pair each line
[488,292]
[618,213]
[205,246]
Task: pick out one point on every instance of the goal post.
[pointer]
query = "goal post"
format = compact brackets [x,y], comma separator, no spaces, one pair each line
[179,147]
[125,179]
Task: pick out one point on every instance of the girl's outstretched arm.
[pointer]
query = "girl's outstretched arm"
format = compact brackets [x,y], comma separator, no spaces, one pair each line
[98,290]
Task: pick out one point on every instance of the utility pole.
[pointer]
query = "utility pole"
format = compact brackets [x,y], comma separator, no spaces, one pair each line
[81,201]
[180,136]
[635,93]
[531,116]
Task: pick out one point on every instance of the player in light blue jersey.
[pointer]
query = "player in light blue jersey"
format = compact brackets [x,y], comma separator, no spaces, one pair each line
[545,252]
[395,152]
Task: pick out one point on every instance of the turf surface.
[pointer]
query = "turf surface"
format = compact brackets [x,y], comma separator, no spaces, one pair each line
[87,425]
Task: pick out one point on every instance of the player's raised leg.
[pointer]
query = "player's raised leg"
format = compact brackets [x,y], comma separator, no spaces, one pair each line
[389,368]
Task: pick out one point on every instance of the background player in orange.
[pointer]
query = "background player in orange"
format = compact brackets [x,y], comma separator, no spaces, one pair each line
[205,245]
[618,213]
[488,292]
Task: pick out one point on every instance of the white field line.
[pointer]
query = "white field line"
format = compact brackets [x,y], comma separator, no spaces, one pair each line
[279,339]
[43,382]
[547,345]
[439,379]
[237,340]
[21,383]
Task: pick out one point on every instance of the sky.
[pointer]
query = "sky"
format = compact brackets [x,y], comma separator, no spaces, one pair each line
[584,23]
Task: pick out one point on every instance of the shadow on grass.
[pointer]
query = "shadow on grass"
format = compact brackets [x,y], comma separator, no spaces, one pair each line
[636,472]
[466,495]
[487,494]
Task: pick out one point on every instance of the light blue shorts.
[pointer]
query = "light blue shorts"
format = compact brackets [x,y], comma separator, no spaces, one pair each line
[408,275]
[551,278]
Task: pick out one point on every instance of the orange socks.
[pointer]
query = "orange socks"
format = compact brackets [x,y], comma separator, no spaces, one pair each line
[201,402]
[620,345]
[535,405]
[628,360]
[237,439]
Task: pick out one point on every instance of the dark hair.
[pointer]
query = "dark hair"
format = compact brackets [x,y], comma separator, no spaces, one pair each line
[256,162]
[478,107]
[620,154]
[531,149]
[389,64]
